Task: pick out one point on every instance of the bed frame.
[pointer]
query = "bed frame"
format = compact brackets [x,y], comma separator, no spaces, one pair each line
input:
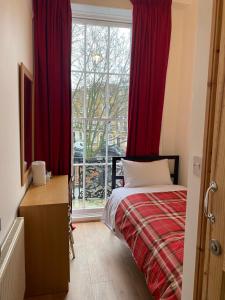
[173,174]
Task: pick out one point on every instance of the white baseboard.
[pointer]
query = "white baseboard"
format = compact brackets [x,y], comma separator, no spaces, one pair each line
[87,215]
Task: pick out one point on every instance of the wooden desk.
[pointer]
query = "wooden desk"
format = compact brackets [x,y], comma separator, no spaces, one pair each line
[45,212]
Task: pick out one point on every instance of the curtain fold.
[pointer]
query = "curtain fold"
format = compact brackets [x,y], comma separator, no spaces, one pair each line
[151,34]
[52,49]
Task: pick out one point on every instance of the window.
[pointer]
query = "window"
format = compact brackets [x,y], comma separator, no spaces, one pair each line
[100,82]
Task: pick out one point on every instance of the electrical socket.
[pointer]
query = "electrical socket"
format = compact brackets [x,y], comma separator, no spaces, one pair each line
[197,165]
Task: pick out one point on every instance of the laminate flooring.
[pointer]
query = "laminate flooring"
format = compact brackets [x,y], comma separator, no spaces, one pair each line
[103,269]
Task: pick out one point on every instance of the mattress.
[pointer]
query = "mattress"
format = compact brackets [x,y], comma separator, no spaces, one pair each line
[119,194]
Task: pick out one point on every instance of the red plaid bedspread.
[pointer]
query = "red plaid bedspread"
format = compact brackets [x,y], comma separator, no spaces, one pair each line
[153,226]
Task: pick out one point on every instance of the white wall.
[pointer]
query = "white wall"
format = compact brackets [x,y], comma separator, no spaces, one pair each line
[177,107]
[16,47]
[196,140]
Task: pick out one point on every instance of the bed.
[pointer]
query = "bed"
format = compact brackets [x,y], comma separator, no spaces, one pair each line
[151,220]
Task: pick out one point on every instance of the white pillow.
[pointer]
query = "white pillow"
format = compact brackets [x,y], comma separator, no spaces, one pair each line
[146,173]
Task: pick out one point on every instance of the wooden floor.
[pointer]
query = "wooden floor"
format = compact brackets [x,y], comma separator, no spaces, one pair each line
[103,268]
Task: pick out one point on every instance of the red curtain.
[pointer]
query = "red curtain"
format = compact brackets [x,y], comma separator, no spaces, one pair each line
[149,60]
[52,48]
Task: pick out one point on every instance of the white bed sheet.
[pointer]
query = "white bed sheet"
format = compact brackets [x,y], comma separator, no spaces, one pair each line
[120,193]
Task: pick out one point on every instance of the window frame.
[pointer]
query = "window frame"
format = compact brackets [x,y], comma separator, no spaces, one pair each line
[85,14]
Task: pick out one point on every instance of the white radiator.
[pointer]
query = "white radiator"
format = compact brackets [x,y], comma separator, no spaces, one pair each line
[12,264]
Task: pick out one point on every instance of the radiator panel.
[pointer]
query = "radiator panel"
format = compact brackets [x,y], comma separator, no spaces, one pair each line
[12,264]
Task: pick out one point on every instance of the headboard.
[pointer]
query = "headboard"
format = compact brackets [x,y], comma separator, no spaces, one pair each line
[174,173]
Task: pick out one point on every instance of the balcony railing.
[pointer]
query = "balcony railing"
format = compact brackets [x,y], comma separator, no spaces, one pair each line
[93,190]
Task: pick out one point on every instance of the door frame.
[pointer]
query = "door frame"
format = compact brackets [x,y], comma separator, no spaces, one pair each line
[207,144]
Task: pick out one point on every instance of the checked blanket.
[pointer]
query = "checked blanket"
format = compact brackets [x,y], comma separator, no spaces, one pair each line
[153,226]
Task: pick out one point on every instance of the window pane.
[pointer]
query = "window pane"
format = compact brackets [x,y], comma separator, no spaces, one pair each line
[117,138]
[95,141]
[78,187]
[95,186]
[78,142]
[119,51]
[118,96]
[119,168]
[96,53]
[109,185]
[96,95]
[78,51]
[78,94]
[119,182]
